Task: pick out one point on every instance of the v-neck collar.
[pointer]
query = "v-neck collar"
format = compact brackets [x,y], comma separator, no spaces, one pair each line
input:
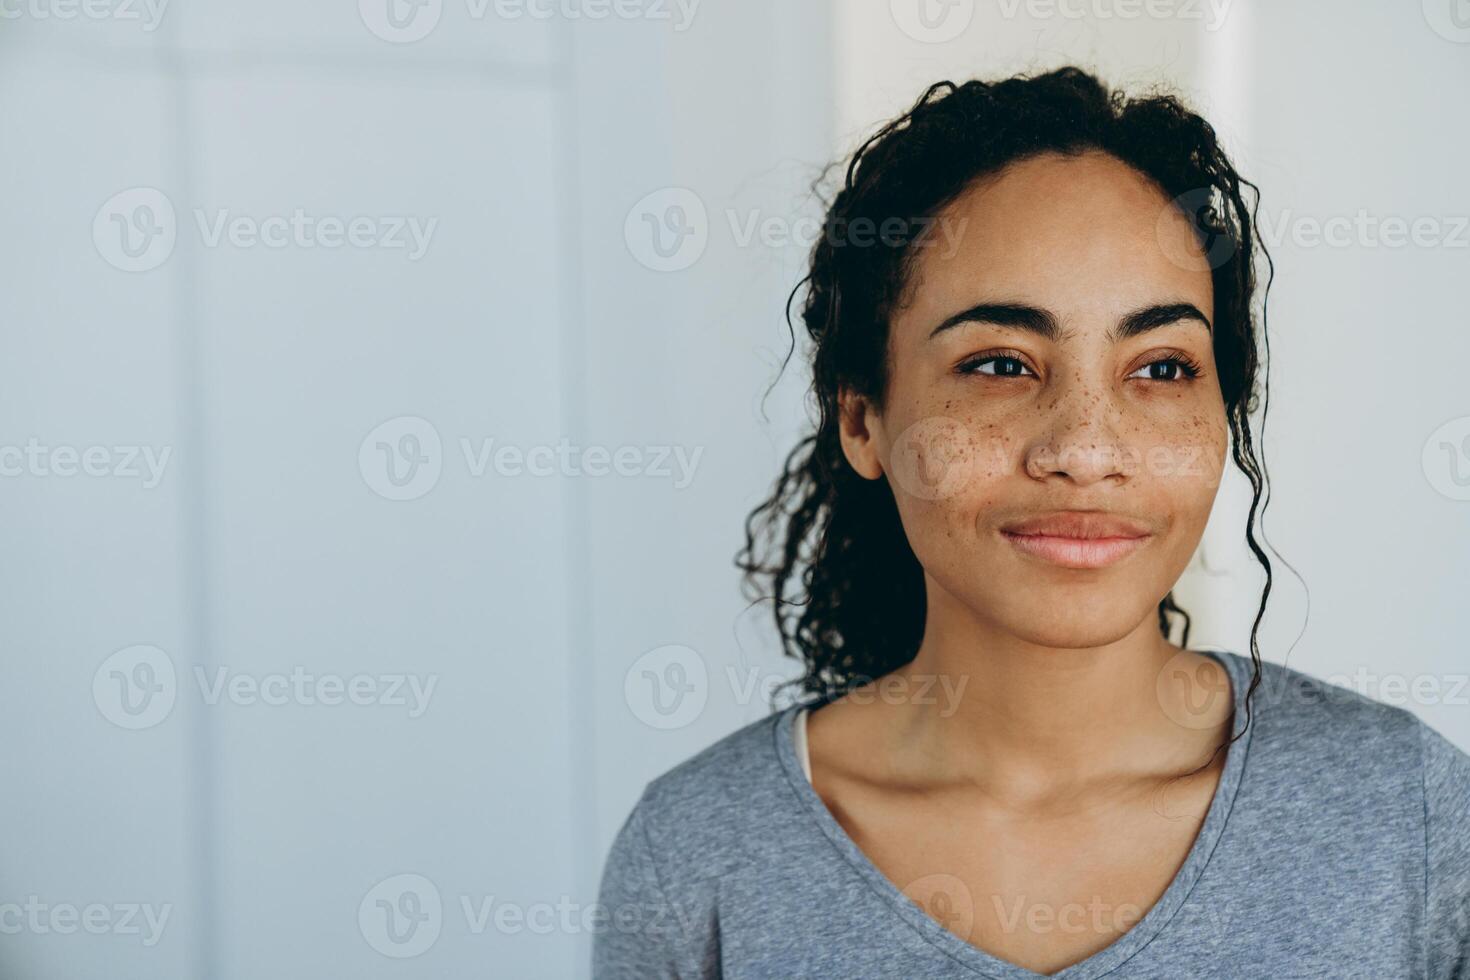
[1104,960]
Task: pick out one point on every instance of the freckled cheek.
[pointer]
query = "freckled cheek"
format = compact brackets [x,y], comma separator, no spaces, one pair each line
[1183,462]
[992,463]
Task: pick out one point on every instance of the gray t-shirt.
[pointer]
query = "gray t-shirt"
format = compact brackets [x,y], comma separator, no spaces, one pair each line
[1337,845]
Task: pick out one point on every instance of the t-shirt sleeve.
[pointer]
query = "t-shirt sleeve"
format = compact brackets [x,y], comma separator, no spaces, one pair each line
[639,936]
[1447,843]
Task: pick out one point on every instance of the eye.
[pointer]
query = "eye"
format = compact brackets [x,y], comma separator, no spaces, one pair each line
[996,365]
[1175,367]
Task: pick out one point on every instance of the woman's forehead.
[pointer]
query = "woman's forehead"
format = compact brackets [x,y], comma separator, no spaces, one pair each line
[1082,235]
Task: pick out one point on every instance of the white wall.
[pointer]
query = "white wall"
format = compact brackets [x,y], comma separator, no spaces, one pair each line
[1331,109]
[1354,110]
[560,616]
[269,833]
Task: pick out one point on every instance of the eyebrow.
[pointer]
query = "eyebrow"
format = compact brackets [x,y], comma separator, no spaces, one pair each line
[1042,323]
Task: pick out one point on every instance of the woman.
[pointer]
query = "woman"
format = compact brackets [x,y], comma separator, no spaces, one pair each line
[1005,766]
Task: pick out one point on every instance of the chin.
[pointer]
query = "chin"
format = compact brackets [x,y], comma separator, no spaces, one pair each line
[1074,632]
[1071,617]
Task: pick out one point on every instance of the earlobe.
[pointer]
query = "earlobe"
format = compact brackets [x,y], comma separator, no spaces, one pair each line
[858,423]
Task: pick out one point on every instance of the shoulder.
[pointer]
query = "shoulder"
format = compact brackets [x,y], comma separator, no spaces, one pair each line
[1446,776]
[689,829]
[708,802]
[1330,771]
[1309,721]
[710,813]
[1357,749]
[1446,788]
[1345,765]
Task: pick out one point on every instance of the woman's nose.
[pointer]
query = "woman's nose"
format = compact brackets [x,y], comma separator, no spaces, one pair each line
[1082,442]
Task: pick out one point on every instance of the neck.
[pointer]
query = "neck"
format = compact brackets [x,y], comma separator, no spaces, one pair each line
[1025,717]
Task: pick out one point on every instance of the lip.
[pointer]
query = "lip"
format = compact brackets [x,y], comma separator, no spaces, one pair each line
[1077,539]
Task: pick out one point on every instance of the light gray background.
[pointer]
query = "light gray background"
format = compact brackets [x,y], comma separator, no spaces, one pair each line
[549,610]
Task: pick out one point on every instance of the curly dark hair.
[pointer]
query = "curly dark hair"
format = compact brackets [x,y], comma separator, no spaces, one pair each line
[826,547]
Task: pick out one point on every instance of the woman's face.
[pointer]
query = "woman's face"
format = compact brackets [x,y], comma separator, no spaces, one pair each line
[1053,355]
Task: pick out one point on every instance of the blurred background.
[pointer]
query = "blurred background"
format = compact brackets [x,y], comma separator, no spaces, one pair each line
[385,385]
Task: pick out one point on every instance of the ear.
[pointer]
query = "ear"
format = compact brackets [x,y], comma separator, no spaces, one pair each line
[861,429]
